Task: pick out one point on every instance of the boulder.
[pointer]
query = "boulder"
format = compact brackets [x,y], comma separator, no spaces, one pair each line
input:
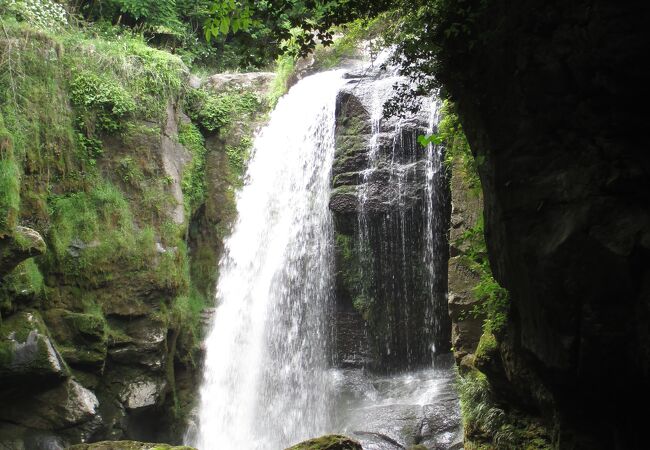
[127,445]
[145,343]
[81,337]
[328,442]
[23,244]
[142,392]
[27,355]
[64,406]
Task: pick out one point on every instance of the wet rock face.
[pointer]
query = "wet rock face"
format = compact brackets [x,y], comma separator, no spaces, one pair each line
[391,226]
[567,190]
[402,411]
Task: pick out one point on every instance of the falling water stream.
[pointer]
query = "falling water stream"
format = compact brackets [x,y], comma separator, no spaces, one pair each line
[268,381]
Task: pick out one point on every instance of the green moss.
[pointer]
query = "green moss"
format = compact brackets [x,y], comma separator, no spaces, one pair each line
[10,175]
[284,69]
[215,112]
[351,275]
[193,182]
[25,280]
[92,230]
[487,425]
[328,442]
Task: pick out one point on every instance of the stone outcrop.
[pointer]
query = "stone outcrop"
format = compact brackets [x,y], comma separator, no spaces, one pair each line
[546,96]
[23,244]
[466,212]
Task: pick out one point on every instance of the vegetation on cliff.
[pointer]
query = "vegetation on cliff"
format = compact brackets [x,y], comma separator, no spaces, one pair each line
[98,155]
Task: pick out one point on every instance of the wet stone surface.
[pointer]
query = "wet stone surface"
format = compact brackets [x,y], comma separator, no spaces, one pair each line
[399,411]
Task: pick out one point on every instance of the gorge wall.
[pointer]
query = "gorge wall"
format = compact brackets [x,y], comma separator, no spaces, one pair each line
[545,93]
[118,172]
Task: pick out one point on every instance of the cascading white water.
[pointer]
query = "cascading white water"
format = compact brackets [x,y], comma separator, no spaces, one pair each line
[265,378]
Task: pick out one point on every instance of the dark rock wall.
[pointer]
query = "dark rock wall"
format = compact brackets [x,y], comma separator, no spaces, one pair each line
[381,207]
[551,97]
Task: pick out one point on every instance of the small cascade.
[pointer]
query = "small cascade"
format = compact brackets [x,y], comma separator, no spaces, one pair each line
[390,203]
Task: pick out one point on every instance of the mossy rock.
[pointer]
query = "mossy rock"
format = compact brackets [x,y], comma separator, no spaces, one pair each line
[487,352]
[328,442]
[127,445]
[23,244]
[82,338]
[26,351]
[66,405]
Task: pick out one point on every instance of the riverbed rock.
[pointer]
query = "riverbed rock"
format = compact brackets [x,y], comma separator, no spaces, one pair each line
[127,445]
[329,442]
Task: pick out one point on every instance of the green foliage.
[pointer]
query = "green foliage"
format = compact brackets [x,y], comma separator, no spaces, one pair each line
[9,192]
[91,232]
[90,90]
[284,68]
[352,35]
[45,14]
[123,76]
[227,16]
[193,182]
[129,171]
[101,103]
[352,275]
[152,11]
[215,112]
[187,311]
[25,280]
[237,158]
[494,303]
[488,425]
[457,150]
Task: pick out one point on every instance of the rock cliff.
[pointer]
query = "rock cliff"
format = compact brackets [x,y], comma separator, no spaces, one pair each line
[545,93]
[114,172]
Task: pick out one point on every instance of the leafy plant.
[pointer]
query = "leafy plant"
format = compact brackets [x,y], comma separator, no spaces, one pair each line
[45,14]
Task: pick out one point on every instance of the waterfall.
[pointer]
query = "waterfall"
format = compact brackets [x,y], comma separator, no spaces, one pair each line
[265,379]
[292,353]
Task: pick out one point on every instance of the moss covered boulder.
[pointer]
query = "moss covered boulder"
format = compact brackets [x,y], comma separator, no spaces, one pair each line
[82,338]
[328,442]
[27,354]
[23,244]
[126,445]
